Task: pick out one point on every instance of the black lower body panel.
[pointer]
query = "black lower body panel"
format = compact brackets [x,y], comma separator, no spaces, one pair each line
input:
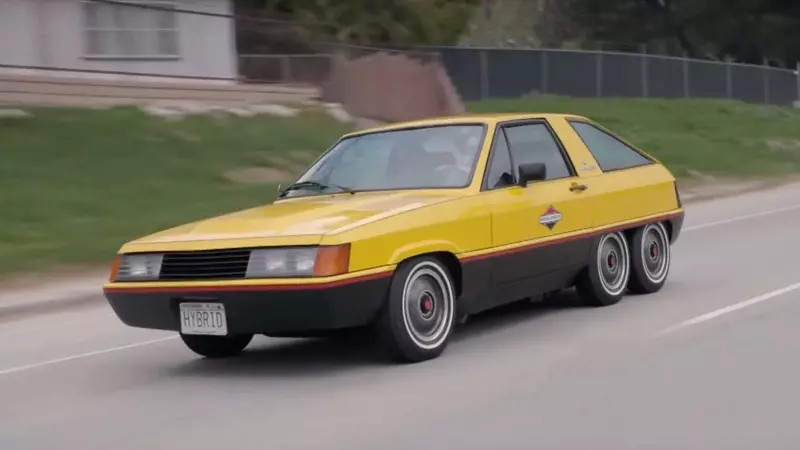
[506,276]
[298,311]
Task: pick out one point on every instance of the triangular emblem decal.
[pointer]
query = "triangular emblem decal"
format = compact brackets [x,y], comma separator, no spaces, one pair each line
[550,217]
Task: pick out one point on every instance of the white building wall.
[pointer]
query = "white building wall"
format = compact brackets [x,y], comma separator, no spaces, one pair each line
[51,33]
[19,40]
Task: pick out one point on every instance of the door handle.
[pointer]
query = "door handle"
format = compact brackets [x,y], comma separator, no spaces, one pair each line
[578,187]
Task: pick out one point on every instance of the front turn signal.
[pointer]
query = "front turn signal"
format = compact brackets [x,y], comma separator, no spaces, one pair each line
[332,260]
[114,268]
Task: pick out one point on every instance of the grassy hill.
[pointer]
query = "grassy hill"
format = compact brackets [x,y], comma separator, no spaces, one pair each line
[689,136]
[76,184]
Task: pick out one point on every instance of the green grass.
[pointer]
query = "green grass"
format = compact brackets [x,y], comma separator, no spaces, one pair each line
[709,136]
[76,184]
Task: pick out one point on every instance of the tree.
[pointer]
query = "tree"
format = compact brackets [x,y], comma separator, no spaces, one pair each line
[370,22]
[744,30]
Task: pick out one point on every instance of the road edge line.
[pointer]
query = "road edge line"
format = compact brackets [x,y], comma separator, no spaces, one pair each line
[711,315]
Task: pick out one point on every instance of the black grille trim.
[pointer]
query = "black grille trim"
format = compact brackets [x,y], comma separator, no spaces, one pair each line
[229,264]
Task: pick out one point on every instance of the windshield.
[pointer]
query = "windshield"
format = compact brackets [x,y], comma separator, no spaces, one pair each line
[429,157]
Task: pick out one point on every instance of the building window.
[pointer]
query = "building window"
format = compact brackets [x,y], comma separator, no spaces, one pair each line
[118,31]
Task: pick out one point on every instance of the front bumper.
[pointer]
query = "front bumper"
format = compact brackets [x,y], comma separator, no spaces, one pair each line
[294,309]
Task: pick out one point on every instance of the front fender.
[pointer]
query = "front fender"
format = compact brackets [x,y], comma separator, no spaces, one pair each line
[423,247]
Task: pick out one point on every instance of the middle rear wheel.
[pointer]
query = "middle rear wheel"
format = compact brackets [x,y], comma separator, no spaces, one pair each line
[605,279]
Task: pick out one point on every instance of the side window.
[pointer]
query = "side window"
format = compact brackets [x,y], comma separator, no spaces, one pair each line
[499,172]
[532,143]
[610,152]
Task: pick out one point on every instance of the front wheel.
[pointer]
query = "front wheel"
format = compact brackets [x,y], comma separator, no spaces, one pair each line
[650,259]
[216,346]
[417,317]
[605,278]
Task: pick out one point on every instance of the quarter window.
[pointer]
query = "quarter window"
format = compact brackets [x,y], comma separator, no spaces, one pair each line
[500,172]
[533,143]
[609,152]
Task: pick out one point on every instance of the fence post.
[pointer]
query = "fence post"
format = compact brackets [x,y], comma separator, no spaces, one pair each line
[685,66]
[599,72]
[797,73]
[766,70]
[545,71]
[484,67]
[729,79]
[286,69]
[645,75]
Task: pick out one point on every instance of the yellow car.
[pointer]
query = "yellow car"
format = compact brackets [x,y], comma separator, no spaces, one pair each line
[408,228]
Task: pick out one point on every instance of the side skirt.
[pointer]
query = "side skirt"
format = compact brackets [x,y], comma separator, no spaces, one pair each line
[499,295]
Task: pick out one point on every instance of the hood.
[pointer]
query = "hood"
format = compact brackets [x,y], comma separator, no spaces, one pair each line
[307,219]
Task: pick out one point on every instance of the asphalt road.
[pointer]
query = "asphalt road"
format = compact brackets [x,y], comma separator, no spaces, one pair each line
[711,362]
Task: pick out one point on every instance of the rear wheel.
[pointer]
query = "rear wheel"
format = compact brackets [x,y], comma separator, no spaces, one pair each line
[216,346]
[605,279]
[650,259]
[417,317]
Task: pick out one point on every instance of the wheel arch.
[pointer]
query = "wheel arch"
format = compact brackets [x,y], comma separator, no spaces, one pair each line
[628,232]
[450,262]
[668,226]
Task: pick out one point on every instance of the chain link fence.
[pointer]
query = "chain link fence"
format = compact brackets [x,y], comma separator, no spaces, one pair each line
[484,73]
[510,73]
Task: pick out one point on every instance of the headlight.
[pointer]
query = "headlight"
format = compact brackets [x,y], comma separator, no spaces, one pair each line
[298,262]
[139,267]
[282,262]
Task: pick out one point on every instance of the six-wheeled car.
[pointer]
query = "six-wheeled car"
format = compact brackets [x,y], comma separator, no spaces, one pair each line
[409,227]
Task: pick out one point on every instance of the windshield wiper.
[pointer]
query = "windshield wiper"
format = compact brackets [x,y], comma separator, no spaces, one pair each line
[314,184]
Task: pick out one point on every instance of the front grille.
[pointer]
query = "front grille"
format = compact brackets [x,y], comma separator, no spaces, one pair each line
[205,265]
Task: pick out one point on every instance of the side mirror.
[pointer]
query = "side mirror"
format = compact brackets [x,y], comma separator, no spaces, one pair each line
[532,172]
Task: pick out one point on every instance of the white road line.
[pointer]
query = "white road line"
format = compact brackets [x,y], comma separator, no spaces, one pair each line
[729,309]
[739,218]
[82,355]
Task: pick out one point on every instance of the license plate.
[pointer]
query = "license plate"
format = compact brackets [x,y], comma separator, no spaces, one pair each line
[203,318]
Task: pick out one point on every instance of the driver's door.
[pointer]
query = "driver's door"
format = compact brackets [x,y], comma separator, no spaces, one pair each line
[534,227]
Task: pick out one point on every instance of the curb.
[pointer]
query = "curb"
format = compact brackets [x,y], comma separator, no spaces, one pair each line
[50,305]
[710,193]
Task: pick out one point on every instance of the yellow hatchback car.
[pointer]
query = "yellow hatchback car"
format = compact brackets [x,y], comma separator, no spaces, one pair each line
[408,228]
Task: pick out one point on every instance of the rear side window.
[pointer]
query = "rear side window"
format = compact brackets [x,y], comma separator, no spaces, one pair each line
[609,152]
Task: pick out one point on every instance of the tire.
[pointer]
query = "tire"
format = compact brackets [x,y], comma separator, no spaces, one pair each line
[216,346]
[650,259]
[417,317]
[605,279]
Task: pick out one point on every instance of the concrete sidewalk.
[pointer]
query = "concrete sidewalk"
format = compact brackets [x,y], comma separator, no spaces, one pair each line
[56,295]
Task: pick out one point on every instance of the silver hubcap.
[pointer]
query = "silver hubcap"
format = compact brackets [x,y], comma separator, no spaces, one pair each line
[612,263]
[427,305]
[655,253]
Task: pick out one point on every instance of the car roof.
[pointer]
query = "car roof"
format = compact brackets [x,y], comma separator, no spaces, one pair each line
[488,119]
